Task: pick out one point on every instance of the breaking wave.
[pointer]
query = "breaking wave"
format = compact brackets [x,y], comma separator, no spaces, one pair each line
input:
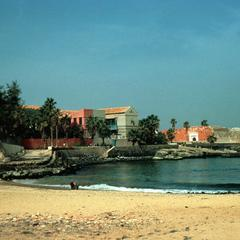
[209,189]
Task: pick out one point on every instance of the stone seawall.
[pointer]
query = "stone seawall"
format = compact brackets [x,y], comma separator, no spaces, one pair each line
[227,135]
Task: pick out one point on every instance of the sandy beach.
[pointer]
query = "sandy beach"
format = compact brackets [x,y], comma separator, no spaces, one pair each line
[37,213]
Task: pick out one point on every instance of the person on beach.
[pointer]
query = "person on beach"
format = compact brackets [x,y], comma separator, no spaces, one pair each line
[74,185]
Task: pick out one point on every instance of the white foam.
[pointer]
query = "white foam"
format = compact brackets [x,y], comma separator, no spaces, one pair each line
[105,187]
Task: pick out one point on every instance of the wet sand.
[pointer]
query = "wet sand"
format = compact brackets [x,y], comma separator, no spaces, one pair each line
[37,213]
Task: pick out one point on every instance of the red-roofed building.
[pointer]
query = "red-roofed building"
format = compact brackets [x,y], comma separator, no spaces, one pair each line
[77,116]
[192,134]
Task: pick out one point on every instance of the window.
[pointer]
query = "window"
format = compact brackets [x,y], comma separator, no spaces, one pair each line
[80,121]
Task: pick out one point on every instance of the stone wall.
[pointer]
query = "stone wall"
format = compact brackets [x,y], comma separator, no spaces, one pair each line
[96,150]
[137,151]
[227,135]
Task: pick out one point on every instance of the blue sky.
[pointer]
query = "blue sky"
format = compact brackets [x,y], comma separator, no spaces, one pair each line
[173,58]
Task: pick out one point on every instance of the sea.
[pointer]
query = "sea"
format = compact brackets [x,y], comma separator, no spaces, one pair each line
[209,175]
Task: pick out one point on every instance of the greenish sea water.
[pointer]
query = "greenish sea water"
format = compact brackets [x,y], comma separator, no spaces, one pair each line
[211,175]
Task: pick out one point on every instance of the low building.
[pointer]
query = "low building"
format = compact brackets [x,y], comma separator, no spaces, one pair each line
[121,119]
[192,134]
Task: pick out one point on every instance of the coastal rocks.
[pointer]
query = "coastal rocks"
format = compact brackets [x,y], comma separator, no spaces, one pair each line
[175,154]
[31,173]
[193,152]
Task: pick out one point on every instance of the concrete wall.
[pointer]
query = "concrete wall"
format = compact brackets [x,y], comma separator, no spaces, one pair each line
[11,149]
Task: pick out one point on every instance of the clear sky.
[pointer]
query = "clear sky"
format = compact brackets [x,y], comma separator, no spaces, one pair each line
[173,58]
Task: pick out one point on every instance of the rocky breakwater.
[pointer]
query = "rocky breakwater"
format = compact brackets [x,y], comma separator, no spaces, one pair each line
[40,163]
[183,152]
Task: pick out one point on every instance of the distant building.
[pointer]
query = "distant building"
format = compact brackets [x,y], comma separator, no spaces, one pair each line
[121,120]
[192,134]
[77,116]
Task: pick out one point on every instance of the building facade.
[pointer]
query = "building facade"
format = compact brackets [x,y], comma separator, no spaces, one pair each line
[121,119]
[81,116]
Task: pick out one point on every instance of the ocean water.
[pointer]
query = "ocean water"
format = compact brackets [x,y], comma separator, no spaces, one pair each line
[211,175]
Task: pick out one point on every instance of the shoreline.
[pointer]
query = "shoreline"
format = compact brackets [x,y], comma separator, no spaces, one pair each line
[126,190]
[33,212]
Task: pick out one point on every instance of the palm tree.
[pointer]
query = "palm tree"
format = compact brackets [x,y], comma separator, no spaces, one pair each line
[186,125]
[92,126]
[65,122]
[49,115]
[173,123]
[103,130]
[170,134]
[56,123]
[204,123]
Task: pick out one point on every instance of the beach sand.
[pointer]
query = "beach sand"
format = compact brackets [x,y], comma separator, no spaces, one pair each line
[38,213]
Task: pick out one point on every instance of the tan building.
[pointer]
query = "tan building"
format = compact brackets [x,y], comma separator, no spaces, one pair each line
[121,120]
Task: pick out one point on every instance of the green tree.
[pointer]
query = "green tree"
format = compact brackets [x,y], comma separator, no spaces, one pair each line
[49,115]
[170,134]
[76,131]
[173,123]
[133,136]
[32,123]
[212,139]
[11,112]
[204,123]
[103,130]
[149,129]
[92,126]
[147,132]
[161,138]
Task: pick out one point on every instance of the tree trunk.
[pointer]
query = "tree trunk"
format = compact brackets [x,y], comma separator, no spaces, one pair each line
[51,129]
[56,136]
